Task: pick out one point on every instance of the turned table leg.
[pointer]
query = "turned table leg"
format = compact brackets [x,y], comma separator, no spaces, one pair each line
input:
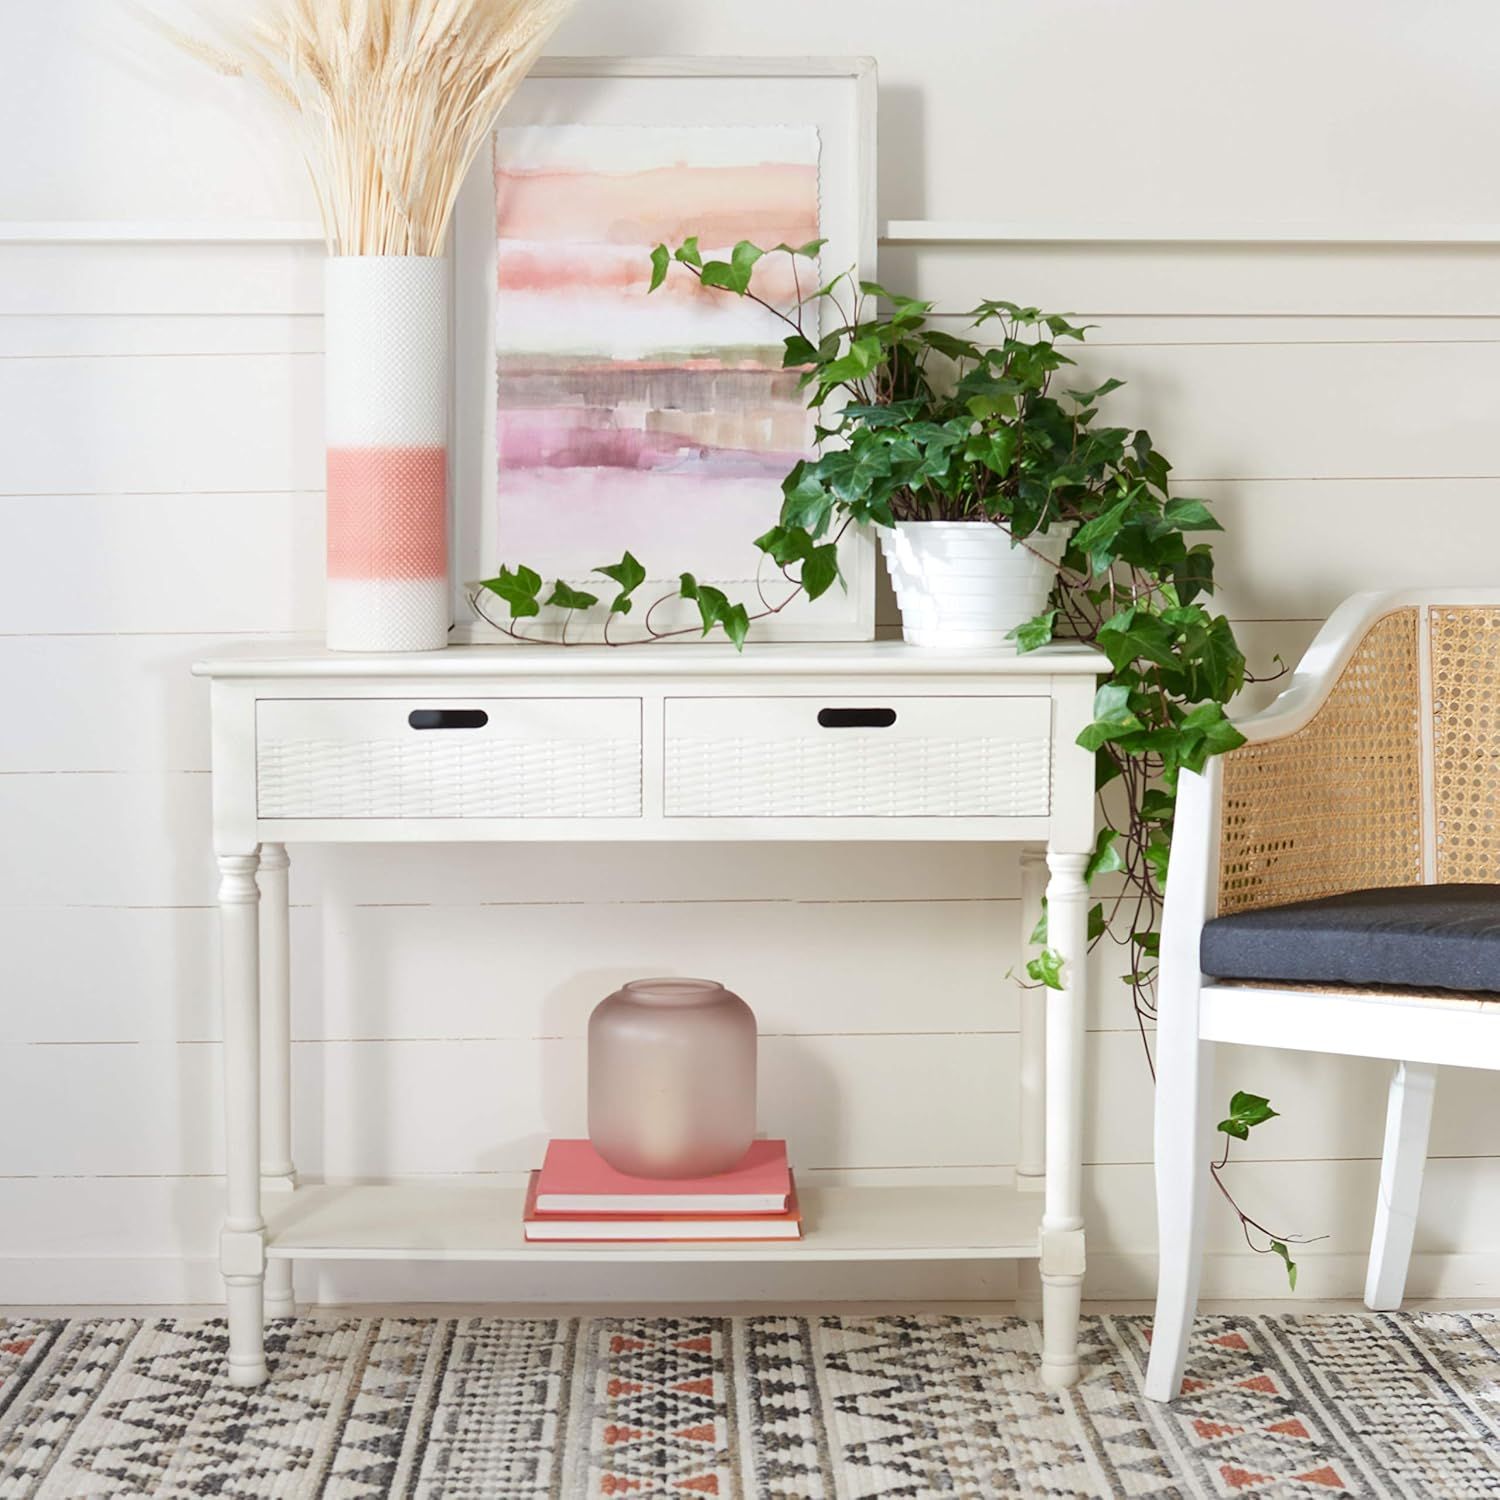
[1031,1166]
[1062,1257]
[242,1249]
[277,1174]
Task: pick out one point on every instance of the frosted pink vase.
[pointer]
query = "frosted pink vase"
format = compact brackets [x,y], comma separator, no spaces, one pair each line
[672,1078]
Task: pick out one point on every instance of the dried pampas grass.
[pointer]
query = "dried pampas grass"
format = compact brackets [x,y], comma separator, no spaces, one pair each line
[393,98]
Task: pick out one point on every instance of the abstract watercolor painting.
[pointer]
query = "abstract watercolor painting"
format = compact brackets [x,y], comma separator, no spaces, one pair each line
[664,423]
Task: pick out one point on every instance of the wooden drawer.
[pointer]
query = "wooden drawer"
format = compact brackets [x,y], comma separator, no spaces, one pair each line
[448,758]
[858,757]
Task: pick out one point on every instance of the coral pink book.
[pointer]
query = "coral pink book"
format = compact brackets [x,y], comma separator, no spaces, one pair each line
[575,1179]
[659,1228]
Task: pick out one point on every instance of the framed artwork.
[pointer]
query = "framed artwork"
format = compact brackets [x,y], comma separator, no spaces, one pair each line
[593,416]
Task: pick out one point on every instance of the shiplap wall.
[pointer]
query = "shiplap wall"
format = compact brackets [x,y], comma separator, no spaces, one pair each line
[159,487]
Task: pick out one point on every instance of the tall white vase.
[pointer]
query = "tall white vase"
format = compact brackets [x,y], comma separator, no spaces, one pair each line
[387,372]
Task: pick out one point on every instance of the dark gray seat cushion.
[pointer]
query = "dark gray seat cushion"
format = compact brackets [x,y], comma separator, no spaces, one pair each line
[1438,936]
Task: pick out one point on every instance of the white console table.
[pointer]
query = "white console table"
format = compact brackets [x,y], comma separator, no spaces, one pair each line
[782,743]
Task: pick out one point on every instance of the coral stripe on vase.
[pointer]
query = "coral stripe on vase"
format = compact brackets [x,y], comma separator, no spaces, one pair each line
[387,428]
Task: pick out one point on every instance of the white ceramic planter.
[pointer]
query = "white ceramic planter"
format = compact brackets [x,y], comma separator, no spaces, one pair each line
[965,583]
[386,392]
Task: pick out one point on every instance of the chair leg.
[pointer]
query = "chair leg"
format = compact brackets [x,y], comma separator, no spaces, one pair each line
[1184,1146]
[1408,1117]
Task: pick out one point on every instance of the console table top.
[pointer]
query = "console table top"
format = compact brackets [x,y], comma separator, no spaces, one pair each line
[299,658]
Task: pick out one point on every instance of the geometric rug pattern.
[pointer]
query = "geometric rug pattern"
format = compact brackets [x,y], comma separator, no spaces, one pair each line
[798,1408]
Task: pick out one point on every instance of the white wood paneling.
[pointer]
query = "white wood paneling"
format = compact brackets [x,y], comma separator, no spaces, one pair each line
[155,563]
[1232,280]
[136,280]
[367,1109]
[173,424]
[124,335]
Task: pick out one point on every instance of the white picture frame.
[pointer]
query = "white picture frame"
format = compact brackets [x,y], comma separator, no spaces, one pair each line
[834,96]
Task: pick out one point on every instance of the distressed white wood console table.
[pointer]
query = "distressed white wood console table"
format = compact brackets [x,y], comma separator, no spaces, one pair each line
[783,743]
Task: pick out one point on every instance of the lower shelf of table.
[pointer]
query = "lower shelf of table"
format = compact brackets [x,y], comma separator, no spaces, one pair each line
[443,1222]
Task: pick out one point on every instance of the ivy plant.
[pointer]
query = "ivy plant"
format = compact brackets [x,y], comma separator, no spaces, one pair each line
[925,418]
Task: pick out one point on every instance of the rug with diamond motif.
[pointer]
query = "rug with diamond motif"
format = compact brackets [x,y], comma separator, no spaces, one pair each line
[805,1408]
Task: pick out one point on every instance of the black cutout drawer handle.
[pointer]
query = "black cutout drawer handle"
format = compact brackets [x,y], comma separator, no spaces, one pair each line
[856,718]
[447,718]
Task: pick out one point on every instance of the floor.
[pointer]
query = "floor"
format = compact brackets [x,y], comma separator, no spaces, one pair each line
[436,1403]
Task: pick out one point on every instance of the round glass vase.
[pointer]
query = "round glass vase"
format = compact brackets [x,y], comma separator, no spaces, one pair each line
[672,1078]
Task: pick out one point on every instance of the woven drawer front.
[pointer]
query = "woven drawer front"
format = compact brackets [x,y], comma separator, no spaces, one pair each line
[819,758]
[529,758]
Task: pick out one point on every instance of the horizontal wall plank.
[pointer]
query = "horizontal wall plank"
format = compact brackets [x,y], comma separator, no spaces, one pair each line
[477,1104]
[1330,1107]
[80,974]
[415,971]
[1175,329]
[107,702]
[71,336]
[165,563]
[1301,547]
[1099,281]
[108,280]
[402,1108]
[1256,411]
[185,424]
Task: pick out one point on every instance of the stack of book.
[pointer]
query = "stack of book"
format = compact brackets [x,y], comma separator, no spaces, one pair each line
[578,1196]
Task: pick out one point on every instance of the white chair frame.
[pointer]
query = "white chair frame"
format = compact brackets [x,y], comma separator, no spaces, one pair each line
[1195,1014]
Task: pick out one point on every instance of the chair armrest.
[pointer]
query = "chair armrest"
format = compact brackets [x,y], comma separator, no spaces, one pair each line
[1326,796]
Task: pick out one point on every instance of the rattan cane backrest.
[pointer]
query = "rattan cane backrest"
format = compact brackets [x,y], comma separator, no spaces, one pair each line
[1336,806]
[1466,742]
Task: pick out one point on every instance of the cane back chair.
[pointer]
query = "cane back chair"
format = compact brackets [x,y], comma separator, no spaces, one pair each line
[1335,887]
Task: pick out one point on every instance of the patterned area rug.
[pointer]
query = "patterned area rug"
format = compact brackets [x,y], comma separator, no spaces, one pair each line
[573,1409]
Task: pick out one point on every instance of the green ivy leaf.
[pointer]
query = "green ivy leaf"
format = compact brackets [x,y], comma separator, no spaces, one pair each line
[713,606]
[785,545]
[1035,632]
[743,258]
[1088,398]
[660,260]
[630,575]
[687,252]
[1190,515]
[799,351]
[1246,1111]
[519,590]
[731,275]
[1038,936]
[820,569]
[1194,574]
[1278,1247]
[1106,858]
[1113,717]
[1046,968]
[808,251]
[687,586]
[862,357]
[736,623]
[564,596]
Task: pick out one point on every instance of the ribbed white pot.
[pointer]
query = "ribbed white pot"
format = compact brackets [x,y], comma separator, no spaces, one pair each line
[965,583]
[386,392]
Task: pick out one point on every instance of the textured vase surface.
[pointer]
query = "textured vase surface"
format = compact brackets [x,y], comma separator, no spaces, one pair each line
[386,374]
[672,1078]
[964,583]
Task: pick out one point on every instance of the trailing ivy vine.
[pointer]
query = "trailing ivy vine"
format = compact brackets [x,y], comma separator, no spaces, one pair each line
[917,420]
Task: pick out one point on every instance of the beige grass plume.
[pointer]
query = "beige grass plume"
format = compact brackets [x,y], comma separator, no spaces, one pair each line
[392,98]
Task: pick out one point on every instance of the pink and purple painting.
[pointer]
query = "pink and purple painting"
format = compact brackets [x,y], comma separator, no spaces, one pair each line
[660,423]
